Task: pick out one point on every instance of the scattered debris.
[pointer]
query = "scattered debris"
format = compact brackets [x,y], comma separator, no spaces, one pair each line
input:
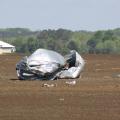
[61,99]
[118,75]
[49,85]
[99,69]
[71,82]
[115,68]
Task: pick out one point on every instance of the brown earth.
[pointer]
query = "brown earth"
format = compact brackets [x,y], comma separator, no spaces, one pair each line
[96,96]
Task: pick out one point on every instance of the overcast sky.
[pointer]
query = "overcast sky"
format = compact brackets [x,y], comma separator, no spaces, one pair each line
[53,14]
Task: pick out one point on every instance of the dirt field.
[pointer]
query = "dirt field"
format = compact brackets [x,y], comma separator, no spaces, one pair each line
[96,95]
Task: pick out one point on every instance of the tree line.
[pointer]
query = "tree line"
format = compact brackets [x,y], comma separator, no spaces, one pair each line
[62,40]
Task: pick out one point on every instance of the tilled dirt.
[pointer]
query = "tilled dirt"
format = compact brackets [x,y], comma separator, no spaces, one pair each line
[95,96]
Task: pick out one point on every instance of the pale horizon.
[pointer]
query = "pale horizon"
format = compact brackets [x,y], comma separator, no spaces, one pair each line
[73,15]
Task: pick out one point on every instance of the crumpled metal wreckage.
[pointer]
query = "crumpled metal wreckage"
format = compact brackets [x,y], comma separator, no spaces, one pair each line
[49,65]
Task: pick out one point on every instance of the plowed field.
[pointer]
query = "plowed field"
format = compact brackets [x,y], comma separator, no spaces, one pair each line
[95,96]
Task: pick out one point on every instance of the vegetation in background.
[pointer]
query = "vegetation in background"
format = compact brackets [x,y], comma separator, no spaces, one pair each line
[62,40]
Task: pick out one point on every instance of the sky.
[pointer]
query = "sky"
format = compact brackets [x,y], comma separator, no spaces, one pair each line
[88,15]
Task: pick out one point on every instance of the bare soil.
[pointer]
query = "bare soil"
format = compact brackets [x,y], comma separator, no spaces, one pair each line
[95,96]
